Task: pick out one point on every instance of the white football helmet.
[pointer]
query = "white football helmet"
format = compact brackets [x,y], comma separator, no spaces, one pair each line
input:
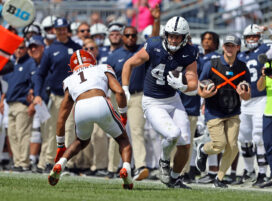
[252,29]
[177,26]
[48,22]
[74,26]
[98,29]
[148,31]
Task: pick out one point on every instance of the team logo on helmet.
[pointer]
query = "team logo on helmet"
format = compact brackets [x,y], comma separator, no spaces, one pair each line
[81,58]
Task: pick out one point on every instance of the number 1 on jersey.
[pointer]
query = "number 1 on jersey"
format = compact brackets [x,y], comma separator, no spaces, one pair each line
[82,78]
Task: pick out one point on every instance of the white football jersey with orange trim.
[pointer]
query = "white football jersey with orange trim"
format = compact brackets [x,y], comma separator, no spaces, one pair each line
[87,78]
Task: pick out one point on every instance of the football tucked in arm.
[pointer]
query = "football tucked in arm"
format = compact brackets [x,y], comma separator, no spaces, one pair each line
[209,83]
[176,74]
[244,85]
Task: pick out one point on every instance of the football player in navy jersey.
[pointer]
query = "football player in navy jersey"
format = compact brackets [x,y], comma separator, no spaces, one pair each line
[161,103]
[115,38]
[250,135]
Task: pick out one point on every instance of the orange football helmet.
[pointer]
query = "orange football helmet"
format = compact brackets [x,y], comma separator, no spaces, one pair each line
[81,58]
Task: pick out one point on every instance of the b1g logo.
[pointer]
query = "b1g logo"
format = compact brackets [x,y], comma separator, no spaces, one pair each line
[23,15]
[18,13]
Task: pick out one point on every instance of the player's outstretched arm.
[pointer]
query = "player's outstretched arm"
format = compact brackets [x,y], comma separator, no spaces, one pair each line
[138,59]
[192,77]
[120,97]
[64,111]
[117,90]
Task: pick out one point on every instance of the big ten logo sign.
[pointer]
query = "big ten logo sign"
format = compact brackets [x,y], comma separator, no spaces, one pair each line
[17,12]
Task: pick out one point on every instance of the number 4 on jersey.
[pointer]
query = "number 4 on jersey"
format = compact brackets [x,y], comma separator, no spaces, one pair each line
[157,72]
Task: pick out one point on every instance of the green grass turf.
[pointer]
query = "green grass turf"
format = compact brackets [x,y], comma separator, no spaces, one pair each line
[32,187]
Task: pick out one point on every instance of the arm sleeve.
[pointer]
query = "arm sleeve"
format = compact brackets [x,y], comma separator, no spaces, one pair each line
[109,69]
[41,73]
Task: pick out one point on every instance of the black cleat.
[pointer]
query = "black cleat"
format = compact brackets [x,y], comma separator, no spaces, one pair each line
[48,168]
[177,183]
[266,184]
[201,159]
[207,179]
[248,176]
[261,179]
[219,184]
[187,178]
[230,179]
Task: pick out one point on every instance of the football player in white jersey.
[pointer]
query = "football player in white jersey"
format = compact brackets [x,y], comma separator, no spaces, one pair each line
[87,87]
[250,135]
[161,103]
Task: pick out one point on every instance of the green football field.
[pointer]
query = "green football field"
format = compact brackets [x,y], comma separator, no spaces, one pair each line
[33,187]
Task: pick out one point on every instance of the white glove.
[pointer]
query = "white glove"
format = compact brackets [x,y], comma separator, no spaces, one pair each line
[176,82]
[125,88]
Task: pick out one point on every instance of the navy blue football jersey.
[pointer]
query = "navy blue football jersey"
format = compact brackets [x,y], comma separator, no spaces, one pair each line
[202,59]
[161,62]
[103,54]
[255,67]
[117,59]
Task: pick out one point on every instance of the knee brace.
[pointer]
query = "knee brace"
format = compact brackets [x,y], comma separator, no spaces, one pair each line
[248,150]
[36,136]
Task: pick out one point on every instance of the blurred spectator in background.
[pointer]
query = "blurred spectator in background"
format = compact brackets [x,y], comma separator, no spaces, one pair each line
[54,62]
[265,83]
[235,22]
[83,32]
[115,39]
[48,29]
[11,28]
[21,109]
[91,47]
[142,17]
[31,30]
[98,33]
[95,18]
[35,50]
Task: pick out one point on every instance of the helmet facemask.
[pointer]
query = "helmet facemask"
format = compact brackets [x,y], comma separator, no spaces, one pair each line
[252,30]
[174,48]
[176,26]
